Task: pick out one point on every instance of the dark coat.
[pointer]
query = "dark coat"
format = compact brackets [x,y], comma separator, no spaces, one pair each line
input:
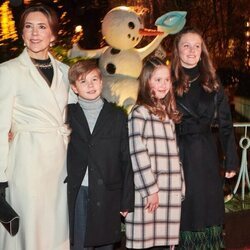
[204,202]
[111,187]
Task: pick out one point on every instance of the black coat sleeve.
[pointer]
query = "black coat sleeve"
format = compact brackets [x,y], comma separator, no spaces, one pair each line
[226,132]
[127,199]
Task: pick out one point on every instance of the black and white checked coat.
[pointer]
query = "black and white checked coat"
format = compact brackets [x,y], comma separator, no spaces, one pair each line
[157,168]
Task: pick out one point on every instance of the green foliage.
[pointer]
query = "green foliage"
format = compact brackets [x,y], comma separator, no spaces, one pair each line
[236,204]
[60,53]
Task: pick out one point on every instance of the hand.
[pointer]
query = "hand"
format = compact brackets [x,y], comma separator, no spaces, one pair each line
[230,174]
[76,51]
[124,214]
[10,136]
[152,202]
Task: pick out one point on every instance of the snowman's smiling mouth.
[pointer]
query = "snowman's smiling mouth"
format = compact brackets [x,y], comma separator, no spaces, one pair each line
[133,38]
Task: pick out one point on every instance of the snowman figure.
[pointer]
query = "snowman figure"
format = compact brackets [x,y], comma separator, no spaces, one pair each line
[120,62]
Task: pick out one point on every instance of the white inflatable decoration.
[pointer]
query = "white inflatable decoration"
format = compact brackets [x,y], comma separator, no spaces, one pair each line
[121,62]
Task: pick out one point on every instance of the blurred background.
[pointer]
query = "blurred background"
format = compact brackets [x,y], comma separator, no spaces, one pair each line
[225,25]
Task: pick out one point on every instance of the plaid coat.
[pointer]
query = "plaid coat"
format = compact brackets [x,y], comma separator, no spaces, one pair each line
[157,168]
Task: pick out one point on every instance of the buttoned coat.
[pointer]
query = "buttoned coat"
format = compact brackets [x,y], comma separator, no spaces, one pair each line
[204,203]
[157,168]
[111,187]
[33,163]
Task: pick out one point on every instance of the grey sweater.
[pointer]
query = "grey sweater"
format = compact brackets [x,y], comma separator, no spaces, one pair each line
[91,109]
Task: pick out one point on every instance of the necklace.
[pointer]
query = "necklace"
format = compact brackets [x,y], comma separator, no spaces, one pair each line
[194,79]
[43,65]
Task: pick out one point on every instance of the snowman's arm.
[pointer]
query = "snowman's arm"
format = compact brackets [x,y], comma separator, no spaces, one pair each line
[145,51]
[170,23]
[76,51]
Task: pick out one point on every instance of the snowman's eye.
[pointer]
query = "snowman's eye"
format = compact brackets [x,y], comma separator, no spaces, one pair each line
[131,25]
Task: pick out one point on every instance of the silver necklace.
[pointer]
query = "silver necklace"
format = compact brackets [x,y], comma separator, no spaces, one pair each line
[43,65]
[194,79]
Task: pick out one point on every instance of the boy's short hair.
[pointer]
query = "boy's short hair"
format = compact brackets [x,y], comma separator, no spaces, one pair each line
[82,68]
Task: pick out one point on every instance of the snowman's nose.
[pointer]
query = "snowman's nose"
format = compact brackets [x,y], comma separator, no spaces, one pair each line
[150,32]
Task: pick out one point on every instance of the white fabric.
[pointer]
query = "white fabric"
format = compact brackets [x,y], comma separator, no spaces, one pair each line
[156,166]
[33,163]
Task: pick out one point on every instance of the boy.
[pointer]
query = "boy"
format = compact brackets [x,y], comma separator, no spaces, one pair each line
[100,176]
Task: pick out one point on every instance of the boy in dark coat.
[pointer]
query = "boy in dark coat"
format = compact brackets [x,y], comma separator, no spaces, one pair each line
[100,176]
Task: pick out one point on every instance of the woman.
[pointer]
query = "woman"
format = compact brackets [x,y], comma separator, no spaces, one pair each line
[159,185]
[33,97]
[200,98]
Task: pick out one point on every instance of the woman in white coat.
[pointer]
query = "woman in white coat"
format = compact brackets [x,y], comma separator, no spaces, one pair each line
[33,97]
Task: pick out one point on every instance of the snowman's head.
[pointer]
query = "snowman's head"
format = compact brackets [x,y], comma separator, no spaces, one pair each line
[120,28]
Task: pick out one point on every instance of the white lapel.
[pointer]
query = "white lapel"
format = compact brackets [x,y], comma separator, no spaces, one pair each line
[55,97]
[60,86]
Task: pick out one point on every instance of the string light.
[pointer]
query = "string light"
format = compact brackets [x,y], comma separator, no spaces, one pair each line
[7,24]
[78,34]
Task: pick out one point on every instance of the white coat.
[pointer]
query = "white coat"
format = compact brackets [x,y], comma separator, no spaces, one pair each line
[33,163]
[157,169]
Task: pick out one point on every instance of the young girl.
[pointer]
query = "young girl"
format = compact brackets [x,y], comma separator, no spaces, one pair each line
[159,185]
[199,96]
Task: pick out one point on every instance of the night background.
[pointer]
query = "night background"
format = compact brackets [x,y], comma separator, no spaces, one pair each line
[225,25]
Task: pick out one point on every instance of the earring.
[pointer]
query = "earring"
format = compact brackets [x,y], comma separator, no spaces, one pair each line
[24,44]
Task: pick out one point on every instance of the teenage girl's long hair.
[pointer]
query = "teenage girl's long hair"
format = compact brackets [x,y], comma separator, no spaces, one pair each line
[208,76]
[160,108]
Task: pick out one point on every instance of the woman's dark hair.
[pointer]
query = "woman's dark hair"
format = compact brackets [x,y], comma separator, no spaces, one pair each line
[45,10]
[208,76]
[160,108]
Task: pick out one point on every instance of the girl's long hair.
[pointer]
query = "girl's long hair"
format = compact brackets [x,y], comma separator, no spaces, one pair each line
[160,108]
[208,76]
